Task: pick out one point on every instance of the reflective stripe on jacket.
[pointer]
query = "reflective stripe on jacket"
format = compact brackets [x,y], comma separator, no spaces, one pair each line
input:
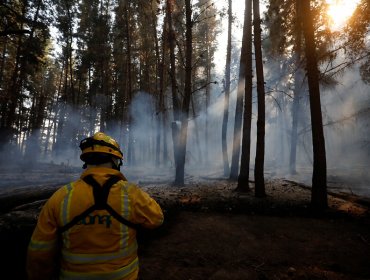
[98,246]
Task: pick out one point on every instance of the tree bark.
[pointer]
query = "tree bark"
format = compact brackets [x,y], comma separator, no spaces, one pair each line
[260,147]
[207,93]
[175,99]
[235,159]
[298,85]
[3,59]
[243,179]
[158,89]
[196,130]
[130,149]
[319,200]
[14,88]
[225,120]
[180,168]
[171,40]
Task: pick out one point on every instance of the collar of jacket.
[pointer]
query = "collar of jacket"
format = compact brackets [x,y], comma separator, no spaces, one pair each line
[101,174]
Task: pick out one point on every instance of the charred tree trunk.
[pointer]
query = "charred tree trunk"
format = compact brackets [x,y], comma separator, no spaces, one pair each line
[175,99]
[294,132]
[207,96]
[260,149]
[14,89]
[57,107]
[196,130]
[48,129]
[180,167]
[243,179]
[225,120]
[319,199]
[234,170]
[37,115]
[3,59]
[298,84]
[158,91]
[162,106]
[206,157]
[130,148]
[64,129]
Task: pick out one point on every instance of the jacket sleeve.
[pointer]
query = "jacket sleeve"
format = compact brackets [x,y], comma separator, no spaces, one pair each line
[43,246]
[145,210]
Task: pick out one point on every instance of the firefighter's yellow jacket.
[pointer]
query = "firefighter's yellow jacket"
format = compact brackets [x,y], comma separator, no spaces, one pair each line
[98,247]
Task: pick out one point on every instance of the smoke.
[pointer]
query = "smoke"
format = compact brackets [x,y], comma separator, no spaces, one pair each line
[347,131]
[346,127]
[346,111]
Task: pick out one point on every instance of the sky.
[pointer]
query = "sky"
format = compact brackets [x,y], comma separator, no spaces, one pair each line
[237,31]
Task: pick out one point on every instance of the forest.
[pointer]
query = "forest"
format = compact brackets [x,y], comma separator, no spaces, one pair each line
[258,94]
[151,74]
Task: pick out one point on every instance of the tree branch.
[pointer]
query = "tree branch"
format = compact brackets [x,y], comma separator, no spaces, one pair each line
[14,32]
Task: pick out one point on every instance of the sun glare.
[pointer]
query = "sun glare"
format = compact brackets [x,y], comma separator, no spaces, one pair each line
[340,11]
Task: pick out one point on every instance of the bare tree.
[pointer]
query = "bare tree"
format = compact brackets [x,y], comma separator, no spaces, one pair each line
[175,99]
[243,178]
[260,149]
[319,198]
[298,86]
[180,167]
[225,120]
[234,170]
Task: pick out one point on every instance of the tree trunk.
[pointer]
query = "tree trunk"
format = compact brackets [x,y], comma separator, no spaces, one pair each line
[3,59]
[196,130]
[294,132]
[162,106]
[158,90]
[246,69]
[180,168]
[175,99]
[37,115]
[260,148]
[130,148]
[14,89]
[207,96]
[48,129]
[243,179]
[171,41]
[208,90]
[164,131]
[234,170]
[319,200]
[225,120]
[298,85]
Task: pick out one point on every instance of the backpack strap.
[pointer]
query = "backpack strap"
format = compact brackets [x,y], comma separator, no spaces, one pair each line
[77,218]
[100,202]
[101,192]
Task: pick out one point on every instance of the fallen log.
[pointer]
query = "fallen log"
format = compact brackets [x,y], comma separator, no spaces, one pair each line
[20,196]
[345,196]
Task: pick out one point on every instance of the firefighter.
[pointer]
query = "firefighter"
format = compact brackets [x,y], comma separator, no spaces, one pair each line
[87,229]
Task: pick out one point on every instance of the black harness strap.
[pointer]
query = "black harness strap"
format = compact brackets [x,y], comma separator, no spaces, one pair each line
[76,219]
[119,218]
[101,192]
[100,202]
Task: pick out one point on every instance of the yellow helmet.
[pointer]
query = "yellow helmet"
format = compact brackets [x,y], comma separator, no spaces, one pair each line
[100,143]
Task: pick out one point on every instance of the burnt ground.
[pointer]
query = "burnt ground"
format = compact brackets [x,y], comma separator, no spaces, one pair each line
[213,232]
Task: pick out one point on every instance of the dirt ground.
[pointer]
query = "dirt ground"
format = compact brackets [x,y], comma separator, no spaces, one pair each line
[237,246]
[213,232]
